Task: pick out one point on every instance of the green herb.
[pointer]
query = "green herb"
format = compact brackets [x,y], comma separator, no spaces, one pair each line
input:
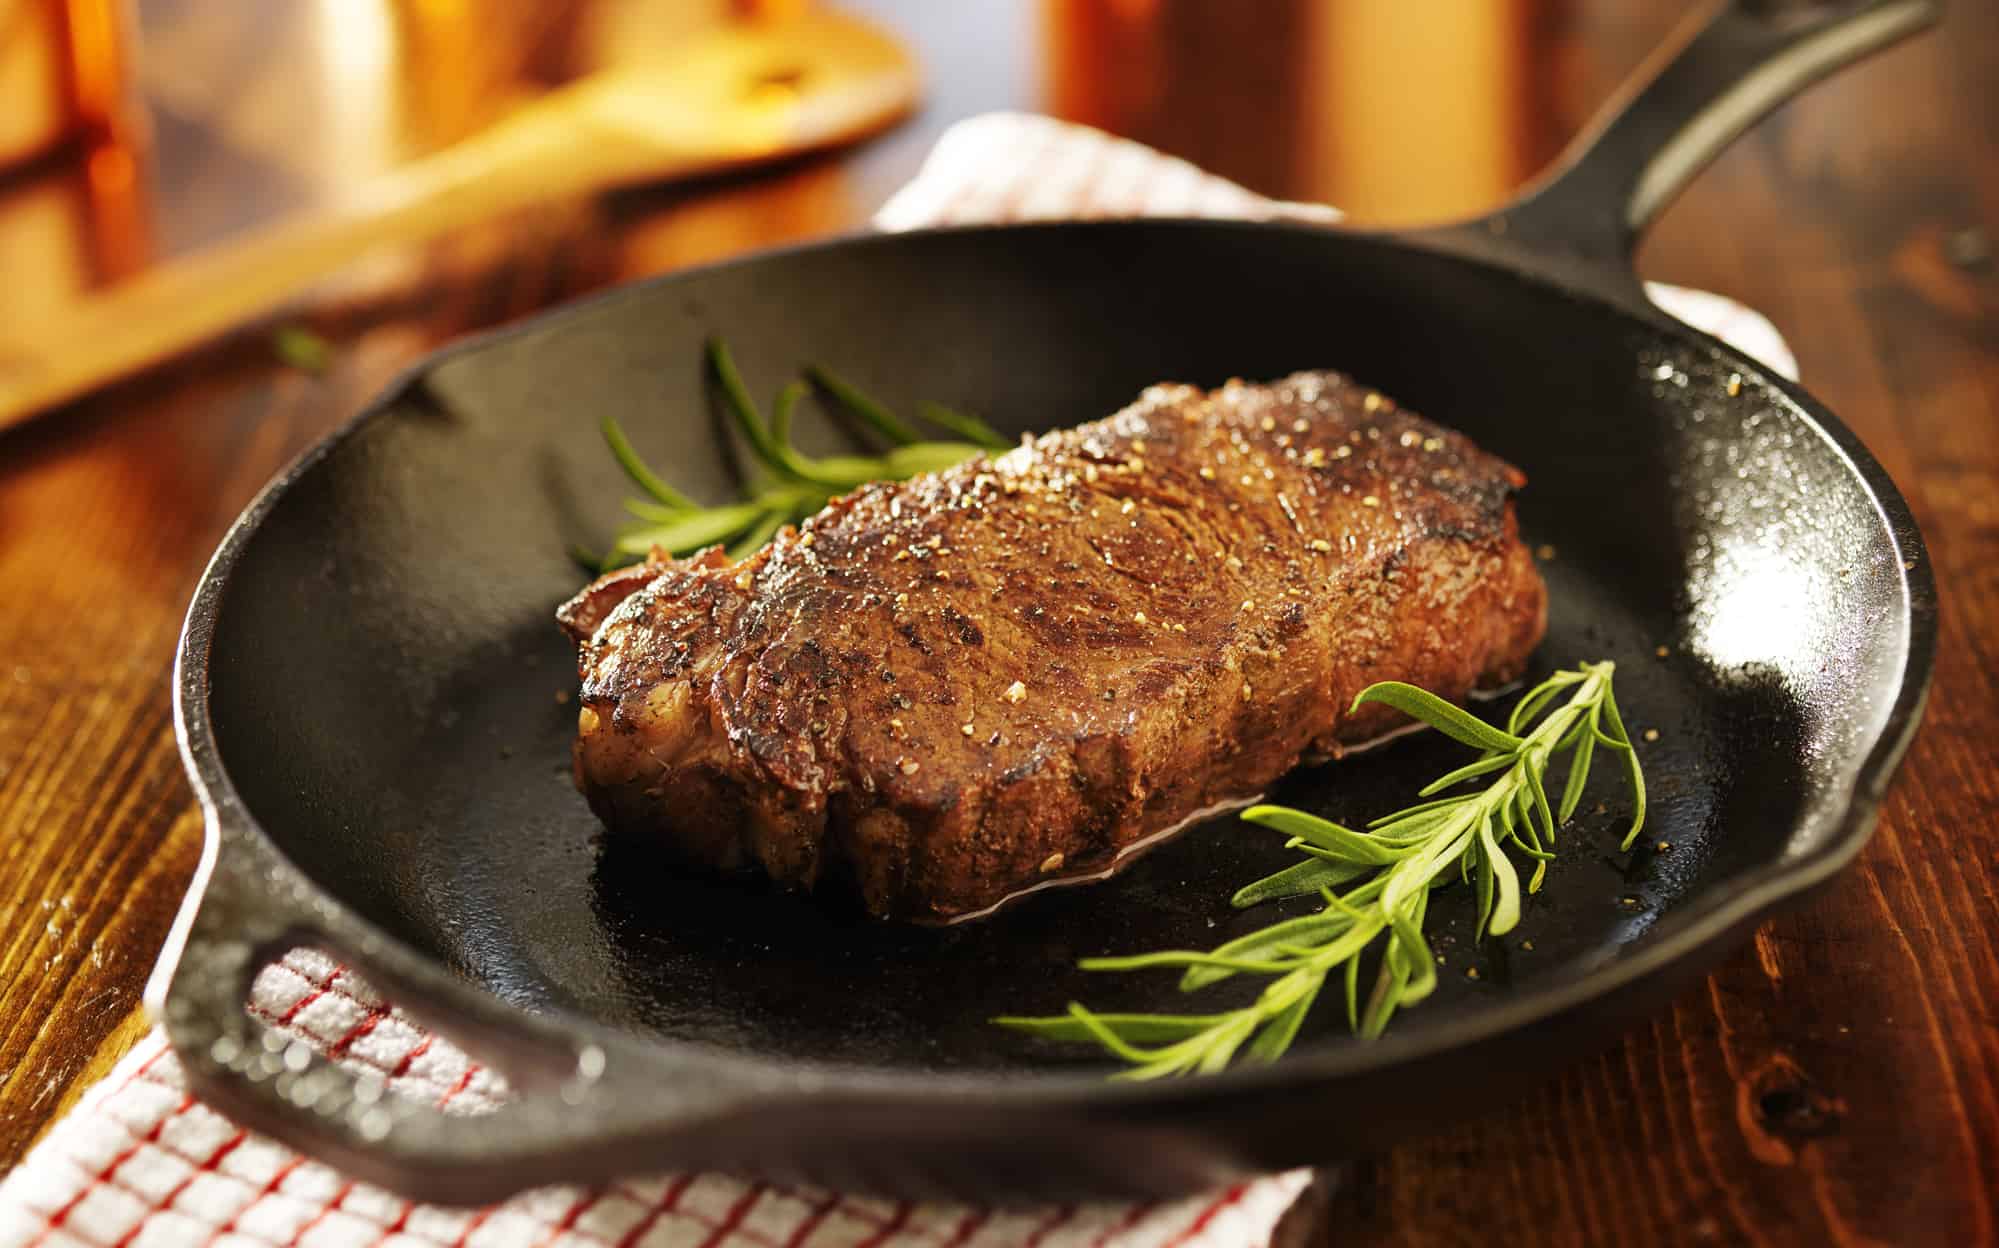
[1401,858]
[790,485]
[302,349]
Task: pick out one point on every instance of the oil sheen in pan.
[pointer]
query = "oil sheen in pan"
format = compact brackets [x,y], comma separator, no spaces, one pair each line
[1124,857]
[1136,849]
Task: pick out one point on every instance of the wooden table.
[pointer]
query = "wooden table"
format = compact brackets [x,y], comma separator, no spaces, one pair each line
[1838,1081]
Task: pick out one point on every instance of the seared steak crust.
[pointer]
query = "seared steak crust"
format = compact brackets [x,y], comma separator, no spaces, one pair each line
[940,690]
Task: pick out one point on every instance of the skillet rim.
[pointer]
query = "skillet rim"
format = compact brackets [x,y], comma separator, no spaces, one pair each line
[1731,903]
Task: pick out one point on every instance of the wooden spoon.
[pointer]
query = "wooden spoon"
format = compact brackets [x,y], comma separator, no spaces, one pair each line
[747,93]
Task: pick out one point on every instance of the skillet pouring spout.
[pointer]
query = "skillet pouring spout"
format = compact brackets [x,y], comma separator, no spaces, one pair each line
[365,698]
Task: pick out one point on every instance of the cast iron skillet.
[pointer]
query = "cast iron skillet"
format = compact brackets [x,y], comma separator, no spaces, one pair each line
[369,676]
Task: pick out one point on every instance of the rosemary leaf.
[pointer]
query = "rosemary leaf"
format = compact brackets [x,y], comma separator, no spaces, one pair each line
[1453,721]
[1136,1028]
[635,468]
[1469,771]
[962,424]
[1353,994]
[1411,812]
[1505,910]
[759,533]
[1337,844]
[1572,790]
[1226,1040]
[691,531]
[869,412]
[1422,964]
[743,409]
[1633,771]
[1485,882]
[907,461]
[1108,1036]
[1277,1034]
[1295,881]
[1390,983]
[1540,793]
[1531,705]
[1304,928]
[1181,957]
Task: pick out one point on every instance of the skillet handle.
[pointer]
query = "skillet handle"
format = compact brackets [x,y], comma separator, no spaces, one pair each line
[586,1110]
[1690,101]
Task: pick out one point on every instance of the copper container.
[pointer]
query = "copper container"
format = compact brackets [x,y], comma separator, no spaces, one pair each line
[1394,111]
[64,73]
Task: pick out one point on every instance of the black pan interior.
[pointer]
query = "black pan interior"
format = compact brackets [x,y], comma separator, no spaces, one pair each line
[388,685]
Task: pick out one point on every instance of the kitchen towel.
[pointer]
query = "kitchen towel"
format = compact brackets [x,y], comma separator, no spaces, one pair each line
[139,1163]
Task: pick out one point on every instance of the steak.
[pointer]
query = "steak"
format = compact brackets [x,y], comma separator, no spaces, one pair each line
[940,691]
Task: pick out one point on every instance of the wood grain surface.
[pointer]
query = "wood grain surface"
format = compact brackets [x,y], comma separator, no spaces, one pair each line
[1836,1082]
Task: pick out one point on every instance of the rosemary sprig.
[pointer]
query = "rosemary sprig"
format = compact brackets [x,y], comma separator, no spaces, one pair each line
[791,484]
[1399,859]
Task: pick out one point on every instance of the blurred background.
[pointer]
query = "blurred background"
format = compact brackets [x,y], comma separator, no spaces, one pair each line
[132,131]
[138,133]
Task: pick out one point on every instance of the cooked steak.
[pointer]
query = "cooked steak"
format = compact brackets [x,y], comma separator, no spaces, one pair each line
[942,690]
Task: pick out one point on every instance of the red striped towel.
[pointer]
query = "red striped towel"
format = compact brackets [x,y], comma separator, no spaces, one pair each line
[139,1163]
